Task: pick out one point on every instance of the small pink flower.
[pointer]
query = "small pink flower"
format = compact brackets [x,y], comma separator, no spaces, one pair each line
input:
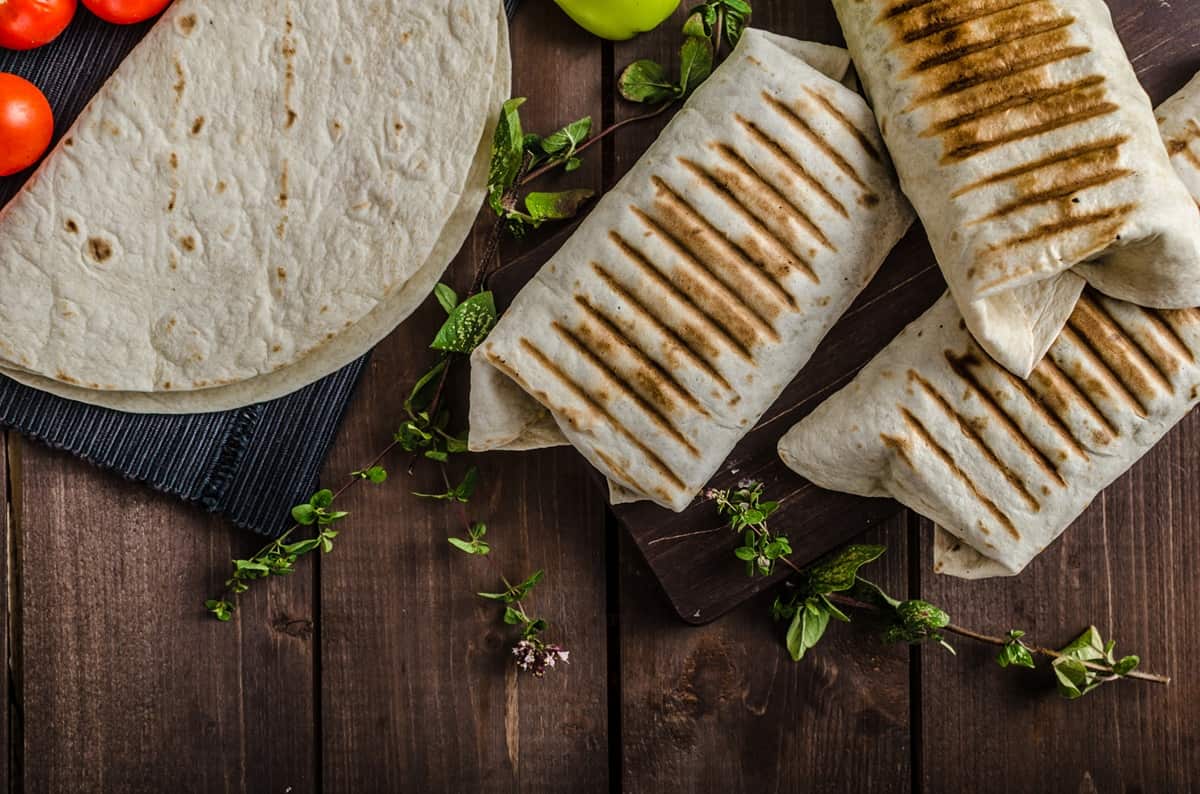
[535,656]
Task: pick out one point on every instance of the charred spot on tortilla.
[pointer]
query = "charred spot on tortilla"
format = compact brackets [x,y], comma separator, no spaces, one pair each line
[187,243]
[186,24]
[99,249]
[71,226]
[197,125]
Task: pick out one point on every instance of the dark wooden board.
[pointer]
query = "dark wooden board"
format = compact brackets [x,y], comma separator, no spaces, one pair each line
[691,563]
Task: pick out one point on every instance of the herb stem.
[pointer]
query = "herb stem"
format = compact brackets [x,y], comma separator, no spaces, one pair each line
[989,639]
[604,133]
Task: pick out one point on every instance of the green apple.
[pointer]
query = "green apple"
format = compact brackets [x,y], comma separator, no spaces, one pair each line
[618,19]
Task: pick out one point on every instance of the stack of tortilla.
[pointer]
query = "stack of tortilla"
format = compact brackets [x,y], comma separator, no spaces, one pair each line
[253,200]
[701,284]
[1004,464]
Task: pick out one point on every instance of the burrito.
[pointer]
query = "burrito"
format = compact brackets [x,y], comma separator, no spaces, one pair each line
[1005,464]
[700,285]
[245,190]
[1024,140]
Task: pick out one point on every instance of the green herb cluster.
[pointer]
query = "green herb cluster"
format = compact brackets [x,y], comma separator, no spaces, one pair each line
[833,586]
[515,153]
[708,27]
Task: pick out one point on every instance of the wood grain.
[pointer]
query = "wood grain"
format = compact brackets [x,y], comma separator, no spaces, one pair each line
[722,707]
[418,688]
[121,675]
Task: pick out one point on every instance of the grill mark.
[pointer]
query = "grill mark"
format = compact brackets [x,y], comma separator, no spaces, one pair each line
[617,471]
[751,266]
[1059,381]
[935,26]
[1106,328]
[797,213]
[899,446]
[973,436]
[1056,193]
[800,123]
[1169,333]
[963,83]
[863,139]
[960,366]
[583,396]
[904,8]
[662,376]
[1072,335]
[1058,158]
[1005,37]
[915,425]
[1190,156]
[794,166]
[1053,420]
[1012,102]
[1069,224]
[652,412]
[969,150]
[687,349]
[726,195]
[746,337]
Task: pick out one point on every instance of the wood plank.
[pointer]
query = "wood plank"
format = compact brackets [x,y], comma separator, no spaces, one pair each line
[1124,565]
[122,675]
[419,688]
[723,708]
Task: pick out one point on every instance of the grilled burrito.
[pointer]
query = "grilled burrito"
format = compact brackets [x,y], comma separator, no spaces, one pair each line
[700,285]
[1005,464]
[1025,142]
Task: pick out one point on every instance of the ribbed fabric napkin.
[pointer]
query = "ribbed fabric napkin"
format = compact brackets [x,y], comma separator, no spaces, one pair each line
[251,464]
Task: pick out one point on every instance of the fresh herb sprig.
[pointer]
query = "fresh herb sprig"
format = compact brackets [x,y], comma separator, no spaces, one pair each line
[832,587]
[708,27]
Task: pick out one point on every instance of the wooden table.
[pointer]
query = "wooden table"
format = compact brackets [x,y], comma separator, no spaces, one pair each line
[377,669]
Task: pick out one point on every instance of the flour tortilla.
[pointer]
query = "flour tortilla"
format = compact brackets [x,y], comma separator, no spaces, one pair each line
[1179,121]
[172,244]
[1004,464]
[1028,147]
[701,284]
[348,345]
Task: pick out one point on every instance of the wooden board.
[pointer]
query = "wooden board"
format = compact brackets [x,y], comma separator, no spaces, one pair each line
[686,551]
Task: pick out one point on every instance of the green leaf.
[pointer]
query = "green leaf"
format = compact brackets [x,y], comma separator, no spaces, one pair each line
[1014,654]
[834,611]
[533,628]
[446,296]
[222,610]
[304,514]
[737,6]
[556,206]
[696,63]
[646,81]
[572,164]
[508,152]
[807,627]
[465,546]
[420,396]
[565,140]
[745,553]
[838,571]
[376,474]
[531,582]
[512,617]
[322,498]
[1126,665]
[1074,680]
[695,26]
[492,596]
[467,325]
[1088,646]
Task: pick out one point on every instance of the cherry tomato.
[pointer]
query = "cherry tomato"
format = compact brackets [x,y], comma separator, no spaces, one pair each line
[25,24]
[126,12]
[26,124]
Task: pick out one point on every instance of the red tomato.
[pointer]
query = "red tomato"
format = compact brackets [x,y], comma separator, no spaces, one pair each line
[126,12]
[25,24]
[26,124]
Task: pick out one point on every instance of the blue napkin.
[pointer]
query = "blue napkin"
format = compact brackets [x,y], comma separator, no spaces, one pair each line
[251,464]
